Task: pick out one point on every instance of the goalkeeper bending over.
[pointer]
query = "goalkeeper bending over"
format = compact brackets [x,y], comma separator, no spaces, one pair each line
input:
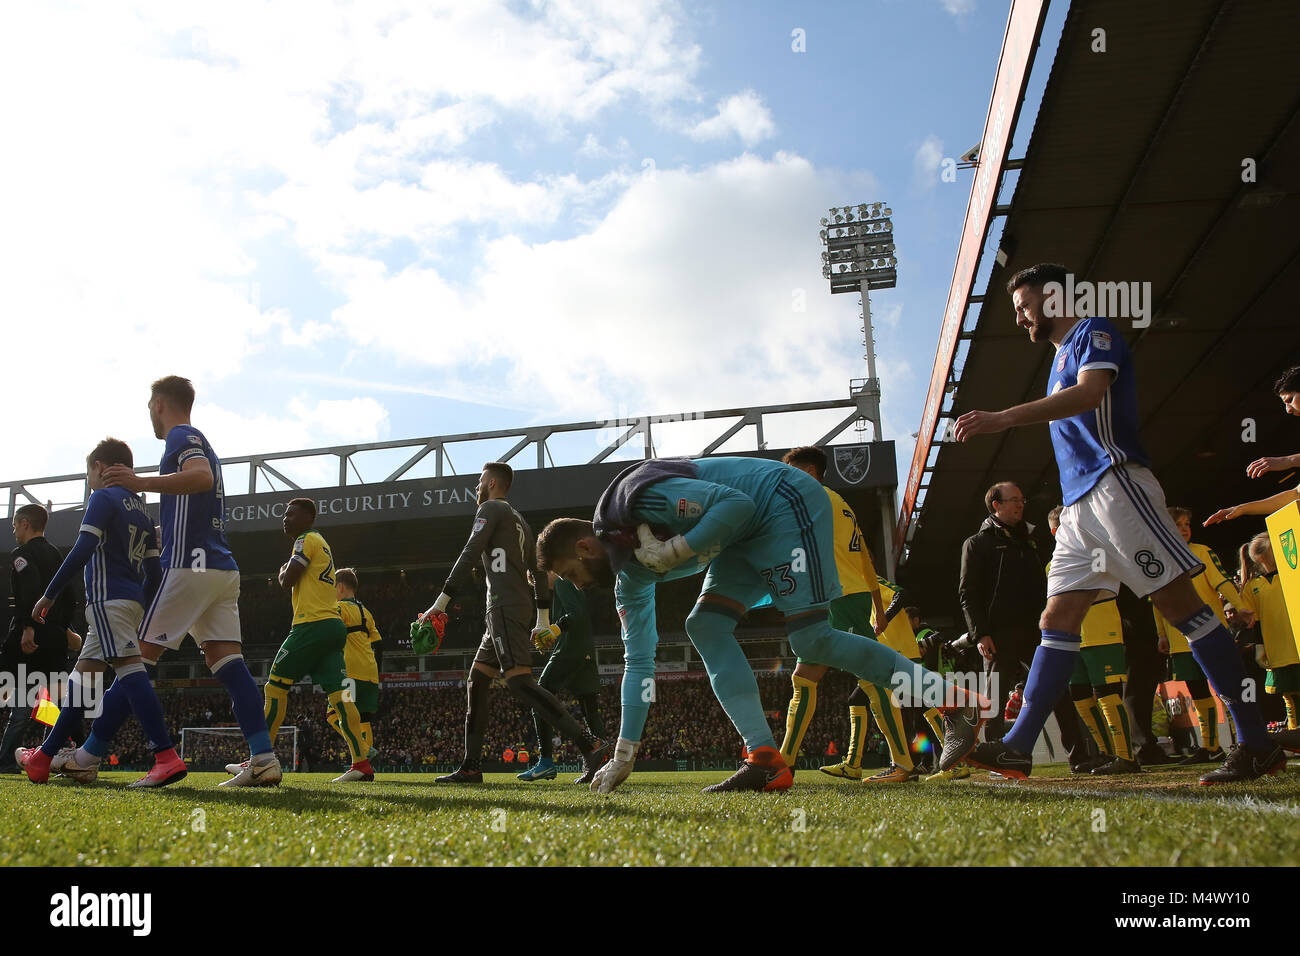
[504,543]
[763,530]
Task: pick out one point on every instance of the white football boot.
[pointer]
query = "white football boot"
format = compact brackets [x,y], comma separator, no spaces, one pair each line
[65,764]
[262,771]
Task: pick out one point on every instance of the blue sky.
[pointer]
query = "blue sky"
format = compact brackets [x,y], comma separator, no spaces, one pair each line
[359,223]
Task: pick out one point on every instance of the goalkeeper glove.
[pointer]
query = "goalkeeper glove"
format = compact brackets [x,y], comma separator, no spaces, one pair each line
[661,556]
[427,632]
[545,637]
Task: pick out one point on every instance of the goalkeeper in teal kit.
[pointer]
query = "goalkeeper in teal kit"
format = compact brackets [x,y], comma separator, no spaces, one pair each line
[763,531]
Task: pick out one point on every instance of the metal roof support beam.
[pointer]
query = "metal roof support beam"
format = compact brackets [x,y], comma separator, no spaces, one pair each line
[413,461]
[637,427]
[275,474]
[518,447]
[719,442]
[834,432]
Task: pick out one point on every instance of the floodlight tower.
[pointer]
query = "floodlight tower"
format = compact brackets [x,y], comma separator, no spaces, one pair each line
[859,256]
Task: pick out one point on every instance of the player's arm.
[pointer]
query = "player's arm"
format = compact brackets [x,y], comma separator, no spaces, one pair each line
[873,585]
[304,550]
[1083,396]
[1264,506]
[541,582]
[193,477]
[372,632]
[1248,598]
[895,606]
[86,543]
[152,567]
[1219,580]
[724,514]
[485,522]
[1262,466]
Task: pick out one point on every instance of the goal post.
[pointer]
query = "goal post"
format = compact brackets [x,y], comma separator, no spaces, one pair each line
[194,741]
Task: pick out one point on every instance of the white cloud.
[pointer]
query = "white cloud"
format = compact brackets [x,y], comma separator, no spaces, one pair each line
[683,297]
[958,8]
[592,148]
[743,115]
[925,163]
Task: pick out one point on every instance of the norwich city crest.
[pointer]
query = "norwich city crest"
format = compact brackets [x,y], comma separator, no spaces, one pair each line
[853,463]
[1288,546]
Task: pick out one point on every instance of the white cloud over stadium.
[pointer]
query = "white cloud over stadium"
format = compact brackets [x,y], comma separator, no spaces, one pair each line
[477,200]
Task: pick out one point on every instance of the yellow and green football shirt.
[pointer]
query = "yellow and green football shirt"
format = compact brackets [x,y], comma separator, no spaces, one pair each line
[359,654]
[1209,584]
[898,634]
[852,559]
[314,597]
[1263,595]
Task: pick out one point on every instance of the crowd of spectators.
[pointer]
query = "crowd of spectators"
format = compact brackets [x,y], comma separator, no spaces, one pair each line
[420,727]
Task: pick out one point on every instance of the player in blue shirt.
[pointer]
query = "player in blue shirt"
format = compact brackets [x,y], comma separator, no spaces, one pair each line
[118,548]
[763,530]
[199,594]
[1115,528]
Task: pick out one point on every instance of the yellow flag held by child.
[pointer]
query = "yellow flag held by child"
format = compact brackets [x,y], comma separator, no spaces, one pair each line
[45,711]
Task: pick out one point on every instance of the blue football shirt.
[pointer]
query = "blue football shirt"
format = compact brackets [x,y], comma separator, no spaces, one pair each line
[126,538]
[1089,444]
[193,526]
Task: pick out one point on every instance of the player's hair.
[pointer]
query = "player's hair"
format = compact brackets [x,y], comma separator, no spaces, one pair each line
[501,472]
[306,504]
[807,455]
[111,451]
[347,577]
[1288,382]
[1037,276]
[34,515]
[1247,566]
[993,494]
[1054,517]
[559,540]
[176,390]
[912,611]
[1178,513]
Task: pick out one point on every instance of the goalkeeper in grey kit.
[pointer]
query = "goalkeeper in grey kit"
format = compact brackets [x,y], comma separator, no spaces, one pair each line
[506,547]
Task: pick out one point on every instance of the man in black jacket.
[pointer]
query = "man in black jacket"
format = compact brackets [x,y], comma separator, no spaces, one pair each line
[36,647]
[1003,590]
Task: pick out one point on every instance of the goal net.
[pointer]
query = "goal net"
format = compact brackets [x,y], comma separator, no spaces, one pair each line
[215,744]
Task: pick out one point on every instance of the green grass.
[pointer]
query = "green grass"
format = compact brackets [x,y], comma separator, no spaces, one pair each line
[657,819]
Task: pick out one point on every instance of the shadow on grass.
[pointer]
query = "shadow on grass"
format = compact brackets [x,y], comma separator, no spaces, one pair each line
[483,797]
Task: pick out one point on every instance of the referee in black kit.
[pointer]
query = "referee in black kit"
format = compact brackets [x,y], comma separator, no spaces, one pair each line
[35,647]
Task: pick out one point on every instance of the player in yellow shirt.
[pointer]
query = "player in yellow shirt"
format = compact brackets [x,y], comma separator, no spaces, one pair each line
[852,611]
[360,661]
[1097,684]
[316,639]
[1214,587]
[1261,592]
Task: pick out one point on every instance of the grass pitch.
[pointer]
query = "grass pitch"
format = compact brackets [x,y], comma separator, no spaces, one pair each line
[1161,818]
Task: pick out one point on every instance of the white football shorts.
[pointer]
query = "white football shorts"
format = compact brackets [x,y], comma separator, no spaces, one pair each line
[202,604]
[1118,533]
[112,630]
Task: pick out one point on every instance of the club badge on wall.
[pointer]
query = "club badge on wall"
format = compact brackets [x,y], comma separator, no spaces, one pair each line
[853,463]
[1289,547]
